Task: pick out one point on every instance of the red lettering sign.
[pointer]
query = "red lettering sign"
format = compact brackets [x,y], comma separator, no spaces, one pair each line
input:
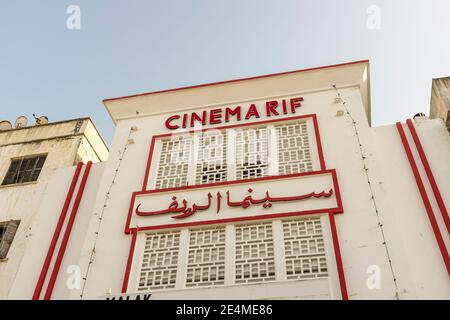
[267,202]
[217,116]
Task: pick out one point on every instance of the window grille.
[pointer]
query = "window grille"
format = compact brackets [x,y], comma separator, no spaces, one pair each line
[174,162]
[251,153]
[7,233]
[304,249]
[159,263]
[254,253]
[253,258]
[294,155]
[212,158]
[206,257]
[24,170]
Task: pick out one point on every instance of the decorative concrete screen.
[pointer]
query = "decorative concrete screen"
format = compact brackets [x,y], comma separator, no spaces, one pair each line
[243,205]
[234,154]
[206,263]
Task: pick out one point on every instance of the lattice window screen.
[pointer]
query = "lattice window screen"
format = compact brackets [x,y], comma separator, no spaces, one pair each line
[304,249]
[294,155]
[174,162]
[159,264]
[254,253]
[206,257]
[251,153]
[212,158]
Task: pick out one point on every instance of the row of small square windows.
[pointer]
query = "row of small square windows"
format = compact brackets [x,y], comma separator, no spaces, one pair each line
[254,255]
[252,154]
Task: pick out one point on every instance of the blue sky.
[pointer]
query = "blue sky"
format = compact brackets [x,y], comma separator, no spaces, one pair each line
[136,46]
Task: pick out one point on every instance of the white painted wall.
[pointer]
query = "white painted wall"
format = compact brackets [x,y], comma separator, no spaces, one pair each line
[43,228]
[416,258]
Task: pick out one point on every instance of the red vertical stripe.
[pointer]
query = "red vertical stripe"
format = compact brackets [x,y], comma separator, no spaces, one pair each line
[147,168]
[129,262]
[337,254]
[426,201]
[65,240]
[318,142]
[57,232]
[426,165]
[337,191]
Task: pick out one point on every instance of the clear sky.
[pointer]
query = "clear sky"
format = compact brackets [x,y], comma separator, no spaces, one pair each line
[135,46]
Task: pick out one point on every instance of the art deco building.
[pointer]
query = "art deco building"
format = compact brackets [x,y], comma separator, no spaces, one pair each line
[272,187]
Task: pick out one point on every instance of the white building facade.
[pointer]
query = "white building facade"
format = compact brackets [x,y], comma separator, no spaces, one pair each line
[273,187]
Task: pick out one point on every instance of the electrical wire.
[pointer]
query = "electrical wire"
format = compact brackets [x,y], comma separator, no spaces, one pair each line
[107,197]
[366,171]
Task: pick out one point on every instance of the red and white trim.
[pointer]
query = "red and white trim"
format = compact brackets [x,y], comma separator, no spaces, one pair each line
[43,277]
[129,261]
[337,255]
[330,212]
[257,123]
[422,190]
[237,80]
[430,176]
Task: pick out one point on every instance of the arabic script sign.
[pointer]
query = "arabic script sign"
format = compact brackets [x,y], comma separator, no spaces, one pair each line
[237,200]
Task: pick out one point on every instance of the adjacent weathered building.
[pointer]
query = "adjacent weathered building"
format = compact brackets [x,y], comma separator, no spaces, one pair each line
[440,100]
[28,158]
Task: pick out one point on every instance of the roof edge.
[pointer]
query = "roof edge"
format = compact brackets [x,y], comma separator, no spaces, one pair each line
[234,80]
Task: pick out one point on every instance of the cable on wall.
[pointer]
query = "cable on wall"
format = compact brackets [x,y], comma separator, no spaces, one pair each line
[105,205]
[372,198]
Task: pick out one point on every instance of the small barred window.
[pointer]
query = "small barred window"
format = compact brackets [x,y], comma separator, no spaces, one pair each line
[160,260]
[174,162]
[25,169]
[212,158]
[252,153]
[7,233]
[304,249]
[294,155]
[206,257]
[254,253]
